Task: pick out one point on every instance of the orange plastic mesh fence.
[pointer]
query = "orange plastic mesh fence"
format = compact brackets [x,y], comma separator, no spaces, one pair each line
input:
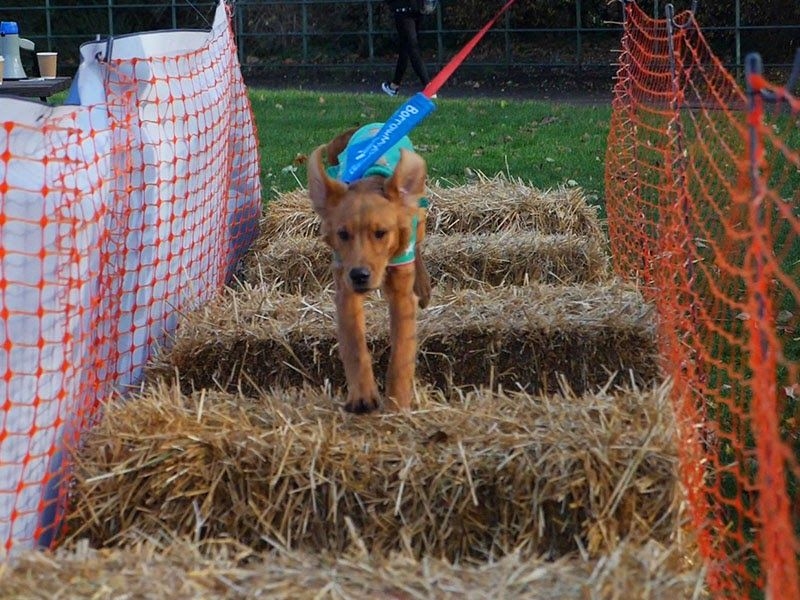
[114,217]
[703,199]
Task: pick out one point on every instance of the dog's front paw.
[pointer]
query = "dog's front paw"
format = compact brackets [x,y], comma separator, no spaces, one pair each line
[361,403]
[398,404]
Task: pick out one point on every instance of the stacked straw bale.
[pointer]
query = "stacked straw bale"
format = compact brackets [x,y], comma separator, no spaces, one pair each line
[288,215]
[463,260]
[303,264]
[552,236]
[488,205]
[470,480]
[238,444]
[502,204]
[517,337]
[181,570]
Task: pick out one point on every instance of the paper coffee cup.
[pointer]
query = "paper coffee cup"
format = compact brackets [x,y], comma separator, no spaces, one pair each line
[47,64]
[2,68]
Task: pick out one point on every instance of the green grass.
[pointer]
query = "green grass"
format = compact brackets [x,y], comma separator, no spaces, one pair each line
[545,145]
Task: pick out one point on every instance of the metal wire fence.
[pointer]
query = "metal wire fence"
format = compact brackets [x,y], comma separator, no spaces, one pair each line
[315,36]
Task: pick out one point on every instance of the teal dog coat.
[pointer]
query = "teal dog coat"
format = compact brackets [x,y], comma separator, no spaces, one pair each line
[385,167]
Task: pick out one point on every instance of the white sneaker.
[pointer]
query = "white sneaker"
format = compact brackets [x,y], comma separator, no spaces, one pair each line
[388,89]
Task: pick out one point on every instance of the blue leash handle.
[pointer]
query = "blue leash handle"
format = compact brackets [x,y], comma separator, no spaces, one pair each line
[362,156]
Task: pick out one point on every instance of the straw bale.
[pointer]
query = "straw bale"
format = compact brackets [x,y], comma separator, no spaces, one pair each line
[516,337]
[293,263]
[180,570]
[507,204]
[484,206]
[515,259]
[290,214]
[459,260]
[468,479]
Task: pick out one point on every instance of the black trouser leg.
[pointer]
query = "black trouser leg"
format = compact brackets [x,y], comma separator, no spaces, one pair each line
[407,29]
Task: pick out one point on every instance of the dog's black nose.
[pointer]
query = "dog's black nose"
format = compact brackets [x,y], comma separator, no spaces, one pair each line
[359,276]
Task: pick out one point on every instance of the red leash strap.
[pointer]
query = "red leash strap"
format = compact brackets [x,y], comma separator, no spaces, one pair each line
[443,75]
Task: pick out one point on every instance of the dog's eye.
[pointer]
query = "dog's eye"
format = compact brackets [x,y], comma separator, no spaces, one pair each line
[379,233]
[343,234]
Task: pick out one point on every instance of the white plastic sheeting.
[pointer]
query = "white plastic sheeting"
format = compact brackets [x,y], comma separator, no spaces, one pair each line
[50,235]
[117,212]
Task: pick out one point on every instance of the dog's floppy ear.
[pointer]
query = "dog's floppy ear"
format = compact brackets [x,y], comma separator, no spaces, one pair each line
[325,191]
[407,184]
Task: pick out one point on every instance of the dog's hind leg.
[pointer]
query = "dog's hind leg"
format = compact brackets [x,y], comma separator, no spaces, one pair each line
[362,392]
[422,280]
[399,289]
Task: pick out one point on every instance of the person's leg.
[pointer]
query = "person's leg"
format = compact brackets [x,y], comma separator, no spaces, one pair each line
[404,24]
[414,53]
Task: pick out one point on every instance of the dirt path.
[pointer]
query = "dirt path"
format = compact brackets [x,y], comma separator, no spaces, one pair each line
[589,94]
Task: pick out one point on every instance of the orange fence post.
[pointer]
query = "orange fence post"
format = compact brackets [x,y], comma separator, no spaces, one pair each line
[778,538]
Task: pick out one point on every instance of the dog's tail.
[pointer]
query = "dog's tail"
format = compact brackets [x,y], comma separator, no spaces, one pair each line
[337,145]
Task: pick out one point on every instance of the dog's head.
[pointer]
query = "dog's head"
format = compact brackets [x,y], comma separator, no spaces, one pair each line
[368,222]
